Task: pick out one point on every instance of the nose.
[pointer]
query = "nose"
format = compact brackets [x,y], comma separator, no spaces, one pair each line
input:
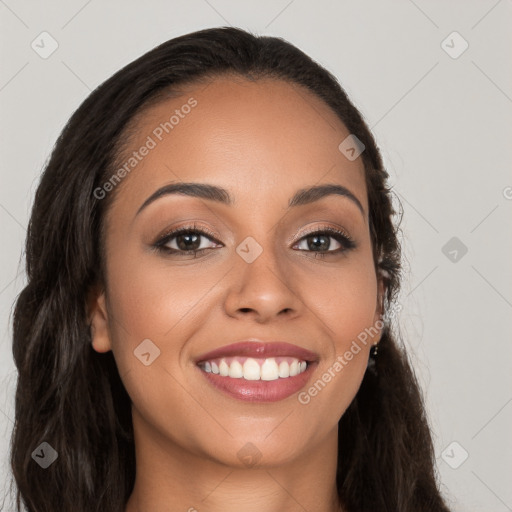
[262,289]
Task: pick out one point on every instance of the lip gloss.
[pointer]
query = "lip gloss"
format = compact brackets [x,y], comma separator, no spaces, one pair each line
[260,390]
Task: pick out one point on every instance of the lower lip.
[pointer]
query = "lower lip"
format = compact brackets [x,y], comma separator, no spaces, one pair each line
[260,390]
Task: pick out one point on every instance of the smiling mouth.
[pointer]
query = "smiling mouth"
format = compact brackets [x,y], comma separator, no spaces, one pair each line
[257,371]
[251,368]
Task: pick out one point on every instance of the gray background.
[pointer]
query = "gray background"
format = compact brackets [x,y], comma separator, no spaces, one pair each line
[443,125]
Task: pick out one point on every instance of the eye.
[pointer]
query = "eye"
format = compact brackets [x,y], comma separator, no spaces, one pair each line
[192,240]
[186,240]
[319,242]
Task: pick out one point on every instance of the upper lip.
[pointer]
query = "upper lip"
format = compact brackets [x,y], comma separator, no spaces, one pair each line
[260,349]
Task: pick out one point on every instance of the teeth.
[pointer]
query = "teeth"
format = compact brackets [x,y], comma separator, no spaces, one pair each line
[223,369]
[255,369]
[284,370]
[269,370]
[251,369]
[235,370]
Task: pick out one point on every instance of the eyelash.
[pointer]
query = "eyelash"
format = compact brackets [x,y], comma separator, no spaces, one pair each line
[341,237]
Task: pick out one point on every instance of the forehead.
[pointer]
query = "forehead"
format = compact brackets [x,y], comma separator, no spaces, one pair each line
[260,139]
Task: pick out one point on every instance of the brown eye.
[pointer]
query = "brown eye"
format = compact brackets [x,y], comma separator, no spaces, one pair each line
[320,242]
[186,240]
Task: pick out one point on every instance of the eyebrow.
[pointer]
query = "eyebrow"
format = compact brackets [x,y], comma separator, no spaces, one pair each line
[302,197]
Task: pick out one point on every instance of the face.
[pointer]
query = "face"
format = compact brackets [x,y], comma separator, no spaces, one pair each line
[262,271]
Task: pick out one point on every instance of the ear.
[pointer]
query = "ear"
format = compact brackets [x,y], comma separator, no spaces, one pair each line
[98,321]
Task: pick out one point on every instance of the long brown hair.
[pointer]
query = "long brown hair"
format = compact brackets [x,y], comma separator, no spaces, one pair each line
[72,397]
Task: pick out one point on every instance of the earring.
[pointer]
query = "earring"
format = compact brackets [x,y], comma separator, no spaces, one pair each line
[372,359]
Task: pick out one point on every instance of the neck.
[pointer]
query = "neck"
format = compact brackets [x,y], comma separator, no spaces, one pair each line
[168,474]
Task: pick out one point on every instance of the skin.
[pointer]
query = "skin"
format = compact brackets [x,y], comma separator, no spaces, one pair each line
[262,141]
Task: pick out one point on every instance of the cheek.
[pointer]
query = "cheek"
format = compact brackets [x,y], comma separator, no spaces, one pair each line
[346,304]
[345,300]
[151,299]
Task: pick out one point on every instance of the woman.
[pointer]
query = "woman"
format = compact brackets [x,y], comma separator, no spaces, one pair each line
[212,266]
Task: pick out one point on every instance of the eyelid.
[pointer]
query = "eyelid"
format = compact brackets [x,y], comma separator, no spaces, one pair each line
[170,233]
[328,229]
[322,227]
[193,226]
